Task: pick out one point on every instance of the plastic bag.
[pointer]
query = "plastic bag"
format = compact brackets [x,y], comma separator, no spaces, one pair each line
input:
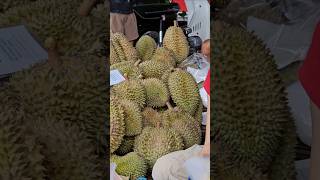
[113,173]
[198,168]
[196,61]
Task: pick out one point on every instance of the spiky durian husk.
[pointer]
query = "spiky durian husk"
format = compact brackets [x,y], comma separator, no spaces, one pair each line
[157,93]
[175,40]
[153,69]
[132,117]
[184,91]
[185,125]
[128,68]
[126,145]
[121,49]
[164,55]
[151,117]
[74,92]
[69,154]
[131,165]
[250,107]
[146,46]
[57,19]
[198,113]
[117,124]
[153,143]
[131,90]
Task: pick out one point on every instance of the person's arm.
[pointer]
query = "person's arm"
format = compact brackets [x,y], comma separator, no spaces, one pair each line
[315,147]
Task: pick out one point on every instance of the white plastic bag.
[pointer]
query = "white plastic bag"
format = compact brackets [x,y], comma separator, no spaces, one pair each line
[198,168]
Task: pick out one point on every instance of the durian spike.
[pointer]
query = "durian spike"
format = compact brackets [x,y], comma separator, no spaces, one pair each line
[53,55]
[158,125]
[125,76]
[140,77]
[137,63]
[169,105]
[86,7]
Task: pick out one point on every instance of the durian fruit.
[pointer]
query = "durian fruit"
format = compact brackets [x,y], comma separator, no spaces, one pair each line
[146,46]
[175,40]
[20,157]
[198,113]
[154,143]
[128,68]
[117,124]
[151,117]
[121,49]
[164,55]
[131,90]
[184,91]
[58,19]
[126,145]
[130,165]
[184,124]
[153,69]
[68,152]
[132,117]
[250,111]
[157,93]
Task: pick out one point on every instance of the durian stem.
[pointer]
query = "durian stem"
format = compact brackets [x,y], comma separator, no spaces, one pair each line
[86,7]
[158,125]
[53,55]
[169,105]
[137,63]
[175,23]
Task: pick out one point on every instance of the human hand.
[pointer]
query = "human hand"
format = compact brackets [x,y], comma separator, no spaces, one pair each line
[205,150]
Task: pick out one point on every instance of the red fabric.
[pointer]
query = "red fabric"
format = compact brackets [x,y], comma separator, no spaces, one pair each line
[206,83]
[309,73]
[182,5]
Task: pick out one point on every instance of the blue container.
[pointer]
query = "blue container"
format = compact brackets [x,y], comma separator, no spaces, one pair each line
[142,178]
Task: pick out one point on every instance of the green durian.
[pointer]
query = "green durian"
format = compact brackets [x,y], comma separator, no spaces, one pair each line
[184,124]
[57,19]
[121,49]
[117,124]
[131,90]
[198,113]
[165,56]
[175,40]
[126,145]
[146,46]
[128,69]
[130,165]
[132,117]
[250,109]
[154,143]
[157,93]
[153,69]
[184,91]
[151,117]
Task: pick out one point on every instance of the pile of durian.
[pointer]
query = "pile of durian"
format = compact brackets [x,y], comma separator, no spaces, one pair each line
[157,109]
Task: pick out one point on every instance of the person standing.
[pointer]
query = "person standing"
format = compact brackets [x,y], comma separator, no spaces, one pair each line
[123,19]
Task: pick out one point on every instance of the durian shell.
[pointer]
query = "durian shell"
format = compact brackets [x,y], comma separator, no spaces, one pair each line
[165,56]
[117,124]
[128,68]
[146,46]
[151,117]
[126,145]
[153,69]
[157,93]
[123,49]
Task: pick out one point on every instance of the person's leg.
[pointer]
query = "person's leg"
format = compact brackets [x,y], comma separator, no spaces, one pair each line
[315,146]
[131,27]
[171,166]
[116,23]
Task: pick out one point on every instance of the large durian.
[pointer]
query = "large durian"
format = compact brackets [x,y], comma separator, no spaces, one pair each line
[151,117]
[58,19]
[157,93]
[121,49]
[184,124]
[131,90]
[184,91]
[153,143]
[117,124]
[126,145]
[130,165]
[164,55]
[132,117]
[175,40]
[153,69]
[146,46]
[250,112]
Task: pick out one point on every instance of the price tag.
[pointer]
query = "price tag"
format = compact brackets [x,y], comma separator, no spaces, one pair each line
[18,50]
[116,77]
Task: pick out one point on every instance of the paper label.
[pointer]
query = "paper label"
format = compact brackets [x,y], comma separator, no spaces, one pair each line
[18,50]
[116,77]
